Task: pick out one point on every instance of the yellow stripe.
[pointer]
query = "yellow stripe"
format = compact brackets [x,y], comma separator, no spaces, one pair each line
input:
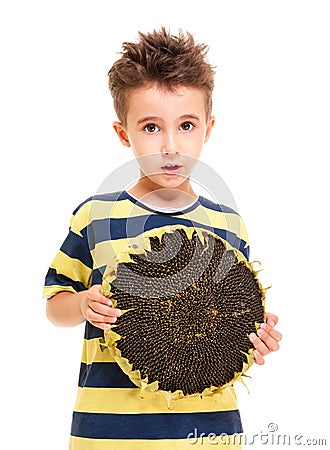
[101,209]
[50,291]
[72,268]
[129,401]
[81,219]
[226,221]
[127,209]
[222,442]
[104,252]
[93,353]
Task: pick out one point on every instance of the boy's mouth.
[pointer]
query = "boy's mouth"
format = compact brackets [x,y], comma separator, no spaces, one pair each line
[171,168]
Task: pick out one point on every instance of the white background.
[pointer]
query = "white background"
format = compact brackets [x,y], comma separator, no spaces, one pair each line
[270,145]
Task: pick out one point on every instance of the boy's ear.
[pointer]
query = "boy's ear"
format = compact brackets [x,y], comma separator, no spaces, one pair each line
[209,127]
[121,133]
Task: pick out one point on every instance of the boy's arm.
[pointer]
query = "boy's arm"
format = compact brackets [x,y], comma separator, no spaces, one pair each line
[67,309]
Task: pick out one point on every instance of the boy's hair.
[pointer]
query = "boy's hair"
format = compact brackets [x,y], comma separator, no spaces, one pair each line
[167,60]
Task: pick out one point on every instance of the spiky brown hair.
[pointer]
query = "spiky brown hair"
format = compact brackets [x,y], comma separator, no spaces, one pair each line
[167,60]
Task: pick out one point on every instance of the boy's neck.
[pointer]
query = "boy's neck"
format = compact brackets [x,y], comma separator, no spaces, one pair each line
[160,196]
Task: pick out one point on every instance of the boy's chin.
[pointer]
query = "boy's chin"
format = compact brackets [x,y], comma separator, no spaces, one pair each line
[165,181]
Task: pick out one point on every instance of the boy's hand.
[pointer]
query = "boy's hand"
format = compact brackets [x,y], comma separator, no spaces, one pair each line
[97,309]
[267,339]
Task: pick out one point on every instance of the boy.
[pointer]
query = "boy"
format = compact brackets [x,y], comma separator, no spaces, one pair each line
[162,90]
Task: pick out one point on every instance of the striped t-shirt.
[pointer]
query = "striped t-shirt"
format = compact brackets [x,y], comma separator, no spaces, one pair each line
[109,412]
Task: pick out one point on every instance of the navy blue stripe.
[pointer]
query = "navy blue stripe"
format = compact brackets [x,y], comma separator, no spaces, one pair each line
[97,275]
[110,197]
[92,332]
[77,247]
[54,278]
[103,375]
[216,206]
[245,250]
[106,229]
[155,426]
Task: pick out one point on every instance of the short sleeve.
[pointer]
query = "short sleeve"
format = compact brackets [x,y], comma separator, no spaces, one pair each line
[71,269]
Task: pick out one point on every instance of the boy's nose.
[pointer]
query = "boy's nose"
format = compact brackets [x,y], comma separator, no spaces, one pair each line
[169,145]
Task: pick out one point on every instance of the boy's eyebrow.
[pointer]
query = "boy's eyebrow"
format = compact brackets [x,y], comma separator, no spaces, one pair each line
[189,116]
[147,119]
[155,118]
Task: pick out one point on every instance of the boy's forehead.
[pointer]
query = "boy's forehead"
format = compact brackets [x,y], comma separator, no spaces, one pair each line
[153,98]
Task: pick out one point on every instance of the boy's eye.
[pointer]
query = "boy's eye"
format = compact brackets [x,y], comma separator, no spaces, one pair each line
[186,126]
[151,128]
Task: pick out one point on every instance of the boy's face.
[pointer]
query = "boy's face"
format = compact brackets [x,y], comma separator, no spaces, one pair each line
[166,129]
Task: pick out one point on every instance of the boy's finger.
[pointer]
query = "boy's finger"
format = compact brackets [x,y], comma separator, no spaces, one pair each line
[259,344]
[268,340]
[95,294]
[271,319]
[103,325]
[258,358]
[271,331]
[106,310]
[93,316]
